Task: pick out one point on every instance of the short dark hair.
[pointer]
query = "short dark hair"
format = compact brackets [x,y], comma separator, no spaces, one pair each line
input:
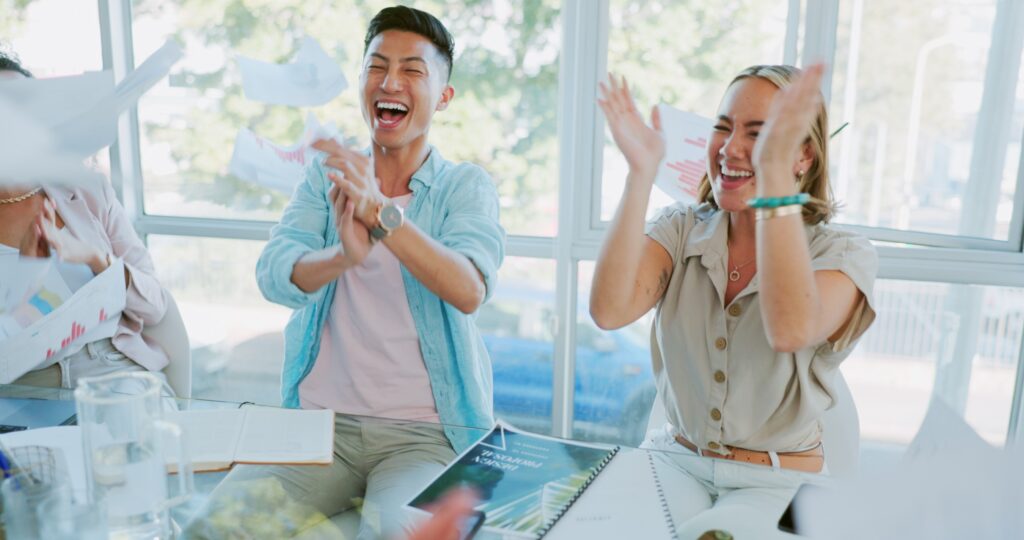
[10,63]
[409,19]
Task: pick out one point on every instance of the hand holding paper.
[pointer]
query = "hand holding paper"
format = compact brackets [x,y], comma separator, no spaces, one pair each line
[258,160]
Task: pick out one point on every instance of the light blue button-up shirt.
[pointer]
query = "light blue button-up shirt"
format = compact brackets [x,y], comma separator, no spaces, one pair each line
[457,205]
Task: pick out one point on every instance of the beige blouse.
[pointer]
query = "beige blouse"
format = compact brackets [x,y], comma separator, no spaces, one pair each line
[718,377]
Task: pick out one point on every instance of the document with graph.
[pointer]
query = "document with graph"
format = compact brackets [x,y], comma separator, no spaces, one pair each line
[686,140]
[48,318]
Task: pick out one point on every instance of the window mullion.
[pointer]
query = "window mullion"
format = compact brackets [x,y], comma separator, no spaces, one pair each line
[118,56]
[582,51]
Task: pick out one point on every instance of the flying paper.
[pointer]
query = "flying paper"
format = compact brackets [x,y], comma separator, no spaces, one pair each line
[68,118]
[262,162]
[313,78]
[685,161]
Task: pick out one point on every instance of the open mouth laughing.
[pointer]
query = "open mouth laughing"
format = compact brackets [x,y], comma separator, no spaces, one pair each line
[389,113]
[734,178]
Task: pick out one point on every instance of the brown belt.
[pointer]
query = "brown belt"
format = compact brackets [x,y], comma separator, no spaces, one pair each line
[807,461]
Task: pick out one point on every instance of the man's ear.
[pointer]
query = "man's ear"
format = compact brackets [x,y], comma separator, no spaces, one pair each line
[446,96]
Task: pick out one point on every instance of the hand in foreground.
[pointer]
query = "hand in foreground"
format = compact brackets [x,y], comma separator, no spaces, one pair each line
[449,514]
[67,247]
[789,120]
[642,145]
[357,180]
[355,237]
[33,243]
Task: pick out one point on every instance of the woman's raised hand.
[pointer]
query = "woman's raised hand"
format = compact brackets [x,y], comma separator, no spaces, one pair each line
[642,145]
[787,126]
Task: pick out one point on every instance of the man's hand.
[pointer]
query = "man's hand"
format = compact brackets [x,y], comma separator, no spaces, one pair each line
[356,181]
[355,237]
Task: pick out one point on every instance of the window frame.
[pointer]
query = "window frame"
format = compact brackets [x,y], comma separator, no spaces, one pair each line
[583,59]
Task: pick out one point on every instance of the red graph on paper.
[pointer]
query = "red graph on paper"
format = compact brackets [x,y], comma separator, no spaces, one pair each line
[77,331]
[288,156]
[690,171]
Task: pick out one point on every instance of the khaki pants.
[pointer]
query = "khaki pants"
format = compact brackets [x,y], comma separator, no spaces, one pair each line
[380,463]
[93,360]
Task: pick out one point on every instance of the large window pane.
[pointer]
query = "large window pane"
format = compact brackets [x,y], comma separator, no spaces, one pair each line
[614,383]
[684,53]
[518,328]
[235,335]
[959,343]
[504,116]
[909,78]
[52,37]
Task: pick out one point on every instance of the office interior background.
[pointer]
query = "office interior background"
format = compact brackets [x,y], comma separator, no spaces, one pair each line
[928,167]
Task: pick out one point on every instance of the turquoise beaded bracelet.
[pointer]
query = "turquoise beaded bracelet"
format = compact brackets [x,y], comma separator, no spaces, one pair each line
[775,202]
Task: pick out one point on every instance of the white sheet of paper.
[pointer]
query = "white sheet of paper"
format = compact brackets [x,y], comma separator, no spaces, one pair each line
[20,279]
[262,162]
[78,133]
[945,434]
[79,112]
[685,160]
[312,78]
[100,298]
[30,152]
[950,485]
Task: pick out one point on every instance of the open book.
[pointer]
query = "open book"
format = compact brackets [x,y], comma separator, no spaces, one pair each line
[526,482]
[218,438]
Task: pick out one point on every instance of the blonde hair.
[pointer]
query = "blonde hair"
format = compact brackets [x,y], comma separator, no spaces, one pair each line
[815,180]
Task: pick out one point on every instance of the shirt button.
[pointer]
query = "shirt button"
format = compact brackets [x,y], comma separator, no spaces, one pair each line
[716,415]
[721,343]
[719,376]
[735,310]
[713,445]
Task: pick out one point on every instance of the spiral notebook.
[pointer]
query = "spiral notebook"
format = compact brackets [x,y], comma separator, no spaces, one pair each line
[526,482]
[628,500]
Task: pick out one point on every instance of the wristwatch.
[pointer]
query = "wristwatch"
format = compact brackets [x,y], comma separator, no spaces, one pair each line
[389,218]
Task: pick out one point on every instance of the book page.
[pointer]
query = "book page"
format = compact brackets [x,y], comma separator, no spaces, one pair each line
[212,436]
[272,435]
[622,502]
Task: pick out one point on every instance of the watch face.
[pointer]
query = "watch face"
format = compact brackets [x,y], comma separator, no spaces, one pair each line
[391,217]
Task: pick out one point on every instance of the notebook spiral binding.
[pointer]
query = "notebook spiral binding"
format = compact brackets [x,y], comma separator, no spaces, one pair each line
[597,470]
[669,522]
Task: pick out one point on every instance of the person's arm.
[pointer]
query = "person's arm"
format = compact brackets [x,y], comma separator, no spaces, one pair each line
[632,270]
[145,299]
[302,232]
[461,264]
[445,272]
[318,268]
[800,307]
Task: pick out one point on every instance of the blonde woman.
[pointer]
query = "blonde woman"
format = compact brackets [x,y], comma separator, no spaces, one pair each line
[758,299]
